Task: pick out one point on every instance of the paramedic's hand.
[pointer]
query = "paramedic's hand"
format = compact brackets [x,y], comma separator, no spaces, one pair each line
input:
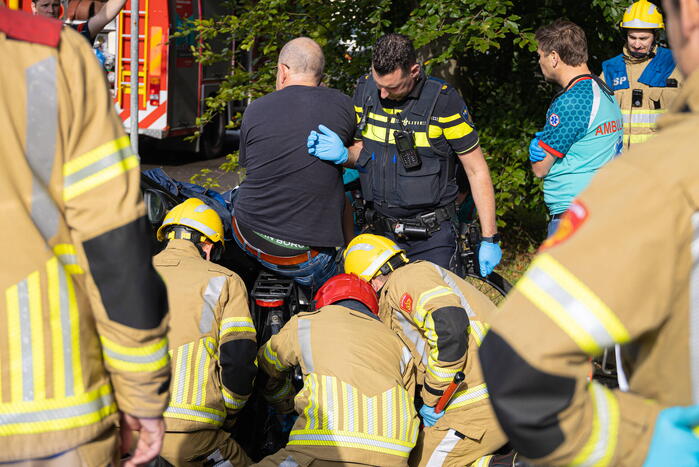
[489,256]
[150,439]
[429,417]
[327,146]
[674,441]
[536,153]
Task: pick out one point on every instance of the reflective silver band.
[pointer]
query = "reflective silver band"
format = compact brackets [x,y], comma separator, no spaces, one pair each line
[211,296]
[452,284]
[304,333]
[45,415]
[299,438]
[97,166]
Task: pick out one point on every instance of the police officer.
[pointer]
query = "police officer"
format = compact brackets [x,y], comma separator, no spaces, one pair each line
[83,313]
[644,77]
[356,405]
[212,338]
[412,130]
[613,273]
[441,318]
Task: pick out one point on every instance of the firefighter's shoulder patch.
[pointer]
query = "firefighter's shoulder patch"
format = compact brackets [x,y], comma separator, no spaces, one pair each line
[406,302]
[572,219]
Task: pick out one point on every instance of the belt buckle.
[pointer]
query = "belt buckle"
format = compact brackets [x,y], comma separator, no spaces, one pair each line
[430,220]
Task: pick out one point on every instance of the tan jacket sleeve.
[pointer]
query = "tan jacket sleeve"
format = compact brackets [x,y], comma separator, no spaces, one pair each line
[237,346]
[277,358]
[609,276]
[105,214]
[444,323]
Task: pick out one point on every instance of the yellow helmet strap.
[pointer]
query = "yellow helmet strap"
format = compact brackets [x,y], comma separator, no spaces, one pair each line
[185,233]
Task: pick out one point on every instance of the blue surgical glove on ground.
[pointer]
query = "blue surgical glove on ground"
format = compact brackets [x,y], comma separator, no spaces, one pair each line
[536,153]
[326,145]
[673,441]
[429,418]
[489,256]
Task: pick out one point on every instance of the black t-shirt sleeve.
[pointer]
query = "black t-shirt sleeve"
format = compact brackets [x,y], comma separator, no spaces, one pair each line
[348,121]
[455,122]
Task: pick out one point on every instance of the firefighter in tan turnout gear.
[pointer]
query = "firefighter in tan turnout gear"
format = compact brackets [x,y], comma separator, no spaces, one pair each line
[212,340]
[356,405]
[614,273]
[644,77]
[83,313]
[441,318]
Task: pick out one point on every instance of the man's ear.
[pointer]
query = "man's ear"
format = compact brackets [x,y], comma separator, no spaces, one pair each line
[554,58]
[414,70]
[206,248]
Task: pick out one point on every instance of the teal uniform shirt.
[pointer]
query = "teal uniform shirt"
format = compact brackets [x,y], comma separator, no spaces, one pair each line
[584,131]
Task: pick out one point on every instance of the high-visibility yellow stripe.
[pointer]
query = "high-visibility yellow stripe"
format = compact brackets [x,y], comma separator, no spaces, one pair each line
[195,380]
[95,155]
[101,177]
[457,131]
[424,298]
[57,352]
[37,327]
[141,350]
[377,117]
[637,139]
[74,317]
[356,440]
[599,449]
[358,109]
[556,312]
[240,324]
[188,383]
[195,413]
[586,296]
[151,357]
[448,119]
[14,342]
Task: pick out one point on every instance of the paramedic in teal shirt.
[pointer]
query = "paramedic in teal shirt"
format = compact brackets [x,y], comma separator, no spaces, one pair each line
[584,127]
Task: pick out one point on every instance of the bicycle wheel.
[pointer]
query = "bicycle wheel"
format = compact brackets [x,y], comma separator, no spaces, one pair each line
[495,287]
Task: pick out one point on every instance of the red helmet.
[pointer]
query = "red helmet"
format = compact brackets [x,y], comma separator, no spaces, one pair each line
[347,287]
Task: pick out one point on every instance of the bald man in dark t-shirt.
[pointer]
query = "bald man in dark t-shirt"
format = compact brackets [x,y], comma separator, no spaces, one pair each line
[288,213]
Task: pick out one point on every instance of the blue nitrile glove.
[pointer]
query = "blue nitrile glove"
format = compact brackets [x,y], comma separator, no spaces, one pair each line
[536,154]
[674,442]
[489,256]
[326,145]
[429,418]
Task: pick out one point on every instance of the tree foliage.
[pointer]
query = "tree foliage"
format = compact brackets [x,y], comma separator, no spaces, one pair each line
[485,48]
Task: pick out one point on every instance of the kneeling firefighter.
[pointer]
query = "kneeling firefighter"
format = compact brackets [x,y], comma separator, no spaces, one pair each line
[440,317]
[212,340]
[356,405]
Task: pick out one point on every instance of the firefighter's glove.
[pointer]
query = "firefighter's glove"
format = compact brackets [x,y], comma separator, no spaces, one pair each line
[326,145]
[489,256]
[536,153]
[429,417]
[674,442]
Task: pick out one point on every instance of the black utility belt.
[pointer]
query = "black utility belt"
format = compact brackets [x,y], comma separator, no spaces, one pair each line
[419,227]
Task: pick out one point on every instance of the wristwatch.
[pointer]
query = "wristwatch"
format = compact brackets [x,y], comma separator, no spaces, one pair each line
[494,239]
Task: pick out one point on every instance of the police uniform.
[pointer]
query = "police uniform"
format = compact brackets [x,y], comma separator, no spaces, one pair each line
[442,319]
[425,196]
[356,405]
[644,89]
[212,338]
[614,273]
[79,341]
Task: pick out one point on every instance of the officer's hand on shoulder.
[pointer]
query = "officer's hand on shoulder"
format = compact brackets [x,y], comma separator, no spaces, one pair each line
[674,440]
[326,145]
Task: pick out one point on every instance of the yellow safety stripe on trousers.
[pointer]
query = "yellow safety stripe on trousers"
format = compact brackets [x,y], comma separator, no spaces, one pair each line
[468,396]
[600,447]
[637,139]
[569,303]
[483,461]
[282,392]
[195,413]
[272,358]
[231,402]
[97,167]
[346,439]
[338,406]
[151,357]
[241,324]
[478,330]
[60,414]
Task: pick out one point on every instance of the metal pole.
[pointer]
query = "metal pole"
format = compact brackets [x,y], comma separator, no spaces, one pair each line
[134,76]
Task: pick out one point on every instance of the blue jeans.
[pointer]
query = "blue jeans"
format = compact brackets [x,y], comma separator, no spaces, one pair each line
[312,273]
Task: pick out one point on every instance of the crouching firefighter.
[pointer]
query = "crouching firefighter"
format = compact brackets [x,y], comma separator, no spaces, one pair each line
[356,405]
[439,317]
[212,340]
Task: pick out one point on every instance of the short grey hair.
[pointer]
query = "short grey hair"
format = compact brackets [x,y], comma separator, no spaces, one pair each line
[303,56]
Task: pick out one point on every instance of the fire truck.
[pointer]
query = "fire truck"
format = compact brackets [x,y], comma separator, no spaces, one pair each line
[172,85]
